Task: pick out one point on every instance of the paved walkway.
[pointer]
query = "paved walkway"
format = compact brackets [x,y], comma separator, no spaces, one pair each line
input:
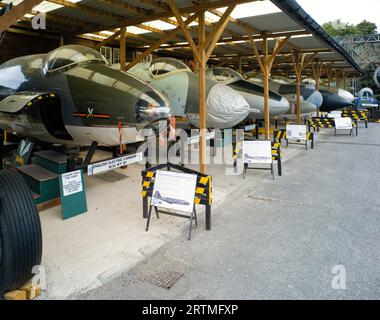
[281,239]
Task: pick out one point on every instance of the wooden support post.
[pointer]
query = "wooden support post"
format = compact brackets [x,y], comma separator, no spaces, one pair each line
[201,53]
[345,81]
[338,79]
[61,41]
[330,75]
[266,64]
[299,64]
[202,92]
[266,73]
[317,68]
[123,48]
[298,92]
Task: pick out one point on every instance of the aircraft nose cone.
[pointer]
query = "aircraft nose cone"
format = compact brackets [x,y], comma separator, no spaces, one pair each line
[284,105]
[307,107]
[346,95]
[316,98]
[151,107]
[277,108]
[225,107]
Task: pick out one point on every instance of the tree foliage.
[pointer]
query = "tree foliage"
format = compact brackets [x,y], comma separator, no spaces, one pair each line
[338,28]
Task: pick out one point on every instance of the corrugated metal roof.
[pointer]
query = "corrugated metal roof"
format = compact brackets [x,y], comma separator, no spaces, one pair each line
[292,18]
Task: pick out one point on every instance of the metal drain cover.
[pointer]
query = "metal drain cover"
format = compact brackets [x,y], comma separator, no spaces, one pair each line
[111,176]
[164,279]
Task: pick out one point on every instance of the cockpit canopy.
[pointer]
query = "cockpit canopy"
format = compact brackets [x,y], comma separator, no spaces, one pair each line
[68,56]
[223,74]
[162,66]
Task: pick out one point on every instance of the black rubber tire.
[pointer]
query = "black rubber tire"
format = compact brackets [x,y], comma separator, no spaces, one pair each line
[20,232]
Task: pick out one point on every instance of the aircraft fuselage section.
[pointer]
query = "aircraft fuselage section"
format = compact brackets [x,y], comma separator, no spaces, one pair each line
[90,100]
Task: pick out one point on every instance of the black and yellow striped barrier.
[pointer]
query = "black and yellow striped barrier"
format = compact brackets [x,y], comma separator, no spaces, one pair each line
[276,154]
[358,115]
[324,122]
[203,190]
[280,135]
[320,122]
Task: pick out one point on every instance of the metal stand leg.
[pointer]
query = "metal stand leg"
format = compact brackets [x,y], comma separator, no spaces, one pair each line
[195,218]
[90,153]
[157,215]
[272,170]
[208,217]
[145,207]
[191,224]
[148,221]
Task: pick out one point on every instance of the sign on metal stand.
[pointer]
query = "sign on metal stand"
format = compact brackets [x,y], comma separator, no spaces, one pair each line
[343,124]
[178,189]
[257,152]
[174,191]
[73,194]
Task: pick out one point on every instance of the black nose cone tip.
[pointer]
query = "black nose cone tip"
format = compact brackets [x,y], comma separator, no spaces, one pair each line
[332,101]
[151,107]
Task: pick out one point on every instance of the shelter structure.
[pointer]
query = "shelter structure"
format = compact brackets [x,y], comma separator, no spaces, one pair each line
[274,37]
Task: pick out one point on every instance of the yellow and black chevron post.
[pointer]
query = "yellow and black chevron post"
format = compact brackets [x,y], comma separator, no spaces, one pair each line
[280,135]
[203,191]
[358,115]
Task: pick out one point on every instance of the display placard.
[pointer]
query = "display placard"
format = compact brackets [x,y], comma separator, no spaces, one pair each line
[114,163]
[344,123]
[195,139]
[73,194]
[174,190]
[294,131]
[71,183]
[257,152]
[334,114]
[250,127]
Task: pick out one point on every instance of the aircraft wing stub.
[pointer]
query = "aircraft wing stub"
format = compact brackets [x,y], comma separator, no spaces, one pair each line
[18,101]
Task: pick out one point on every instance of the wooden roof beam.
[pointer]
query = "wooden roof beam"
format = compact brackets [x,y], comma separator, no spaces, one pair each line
[16,13]
[166,38]
[88,9]
[182,11]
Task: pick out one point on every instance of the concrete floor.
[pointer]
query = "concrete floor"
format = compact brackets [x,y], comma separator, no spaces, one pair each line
[90,250]
[273,239]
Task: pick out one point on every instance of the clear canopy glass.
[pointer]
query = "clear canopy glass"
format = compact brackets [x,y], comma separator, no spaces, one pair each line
[70,55]
[165,65]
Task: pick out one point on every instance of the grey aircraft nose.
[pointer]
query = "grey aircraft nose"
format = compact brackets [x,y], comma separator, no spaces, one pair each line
[225,107]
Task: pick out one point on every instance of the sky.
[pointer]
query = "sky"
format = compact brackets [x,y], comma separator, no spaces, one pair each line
[352,11]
